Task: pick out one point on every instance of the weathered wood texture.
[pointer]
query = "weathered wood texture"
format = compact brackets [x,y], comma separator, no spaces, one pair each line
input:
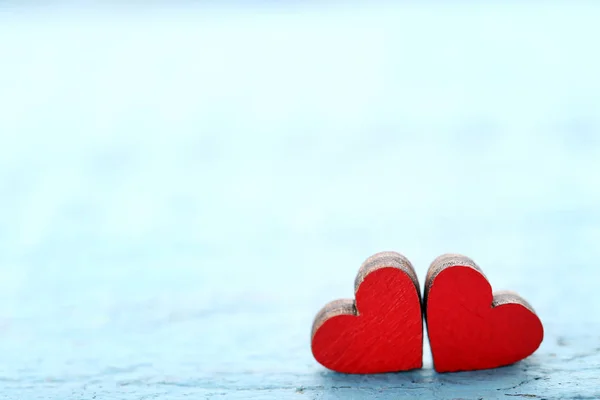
[182,190]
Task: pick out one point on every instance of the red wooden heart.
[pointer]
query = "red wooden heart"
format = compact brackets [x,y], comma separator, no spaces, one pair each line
[470,328]
[383,330]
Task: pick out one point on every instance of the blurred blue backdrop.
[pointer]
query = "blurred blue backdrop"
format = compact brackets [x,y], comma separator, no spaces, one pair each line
[181,188]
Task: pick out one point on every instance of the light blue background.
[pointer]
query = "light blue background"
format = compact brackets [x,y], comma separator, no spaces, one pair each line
[182,188]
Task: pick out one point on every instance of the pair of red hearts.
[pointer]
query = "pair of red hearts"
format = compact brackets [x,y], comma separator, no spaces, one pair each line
[469,327]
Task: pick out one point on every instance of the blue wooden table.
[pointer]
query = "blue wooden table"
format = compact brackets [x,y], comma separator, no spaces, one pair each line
[181,189]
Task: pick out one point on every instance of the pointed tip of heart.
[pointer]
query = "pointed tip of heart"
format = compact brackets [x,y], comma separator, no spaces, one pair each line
[500,356]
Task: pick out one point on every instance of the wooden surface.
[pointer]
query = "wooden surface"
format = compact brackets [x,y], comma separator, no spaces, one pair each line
[182,190]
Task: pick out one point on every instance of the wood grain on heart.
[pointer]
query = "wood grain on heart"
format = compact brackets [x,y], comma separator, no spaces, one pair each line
[380,331]
[470,328]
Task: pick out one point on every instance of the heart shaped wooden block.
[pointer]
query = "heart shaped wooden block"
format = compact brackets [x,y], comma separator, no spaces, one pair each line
[382,331]
[470,328]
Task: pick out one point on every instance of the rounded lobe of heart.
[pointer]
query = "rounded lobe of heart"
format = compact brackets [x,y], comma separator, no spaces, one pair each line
[383,333]
[468,332]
